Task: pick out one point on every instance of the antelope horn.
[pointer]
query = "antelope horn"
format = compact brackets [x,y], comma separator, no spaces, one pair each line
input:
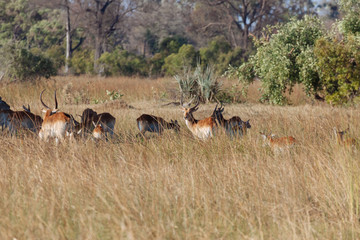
[197,104]
[215,107]
[56,103]
[42,100]
[181,100]
[191,101]
[221,108]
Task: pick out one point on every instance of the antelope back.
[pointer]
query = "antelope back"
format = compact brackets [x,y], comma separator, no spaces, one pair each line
[88,116]
[4,105]
[150,123]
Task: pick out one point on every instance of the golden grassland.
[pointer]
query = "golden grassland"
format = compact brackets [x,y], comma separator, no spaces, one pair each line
[175,186]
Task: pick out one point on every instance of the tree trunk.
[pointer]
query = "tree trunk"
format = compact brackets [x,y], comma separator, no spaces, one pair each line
[98,52]
[246,36]
[98,38]
[68,38]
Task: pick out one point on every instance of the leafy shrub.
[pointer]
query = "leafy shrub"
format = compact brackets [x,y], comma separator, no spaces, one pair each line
[121,62]
[156,63]
[21,64]
[57,55]
[113,95]
[171,45]
[185,57]
[350,24]
[210,55]
[234,57]
[339,62]
[82,62]
[203,84]
[285,59]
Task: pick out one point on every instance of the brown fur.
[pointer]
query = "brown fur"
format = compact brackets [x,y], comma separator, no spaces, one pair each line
[20,119]
[98,132]
[232,126]
[55,124]
[281,143]
[202,129]
[342,139]
[89,116]
[152,123]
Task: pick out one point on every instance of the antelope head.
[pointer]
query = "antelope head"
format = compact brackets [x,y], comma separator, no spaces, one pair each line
[247,124]
[175,125]
[98,131]
[187,110]
[217,113]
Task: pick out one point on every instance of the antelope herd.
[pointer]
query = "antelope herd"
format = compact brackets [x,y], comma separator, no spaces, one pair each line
[59,125]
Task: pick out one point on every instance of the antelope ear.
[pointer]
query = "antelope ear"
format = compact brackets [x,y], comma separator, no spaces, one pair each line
[94,123]
[44,110]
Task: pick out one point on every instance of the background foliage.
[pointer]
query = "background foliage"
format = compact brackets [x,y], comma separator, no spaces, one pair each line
[245,39]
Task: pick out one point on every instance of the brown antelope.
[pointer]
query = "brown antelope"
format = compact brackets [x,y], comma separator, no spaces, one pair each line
[156,124]
[341,138]
[240,130]
[55,124]
[233,126]
[106,120]
[278,144]
[202,129]
[16,120]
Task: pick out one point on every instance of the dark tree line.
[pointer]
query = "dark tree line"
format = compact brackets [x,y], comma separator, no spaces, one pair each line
[143,30]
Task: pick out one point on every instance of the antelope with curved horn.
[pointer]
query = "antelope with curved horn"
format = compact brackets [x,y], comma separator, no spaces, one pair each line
[233,126]
[203,128]
[156,124]
[55,124]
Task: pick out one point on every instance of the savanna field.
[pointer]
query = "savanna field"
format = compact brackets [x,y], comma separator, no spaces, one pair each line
[175,186]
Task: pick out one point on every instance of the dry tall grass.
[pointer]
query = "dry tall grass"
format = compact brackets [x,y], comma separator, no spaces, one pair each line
[174,186]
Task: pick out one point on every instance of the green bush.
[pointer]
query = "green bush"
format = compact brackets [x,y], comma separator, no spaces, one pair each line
[234,57]
[171,45]
[156,63]
[339,62]
[350,24]
[210,55]
[175,62]
[284,60]
[57,55]
[19,63]
[82,62]
[121,62]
